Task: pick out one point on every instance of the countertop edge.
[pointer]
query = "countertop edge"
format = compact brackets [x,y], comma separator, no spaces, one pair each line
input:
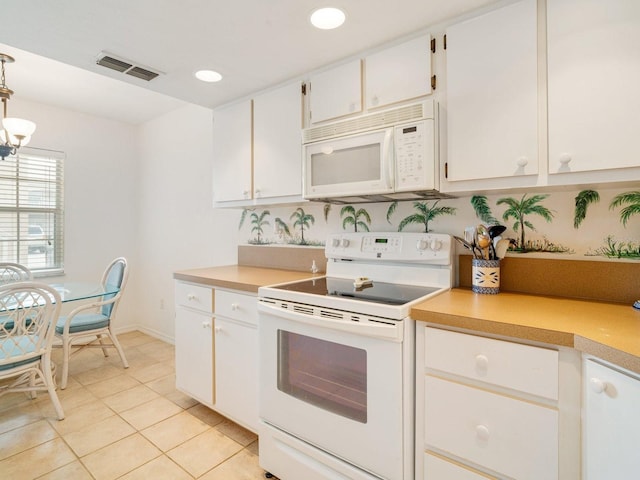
[596,334]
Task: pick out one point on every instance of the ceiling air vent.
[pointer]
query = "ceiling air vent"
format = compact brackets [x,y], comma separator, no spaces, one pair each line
[125,66]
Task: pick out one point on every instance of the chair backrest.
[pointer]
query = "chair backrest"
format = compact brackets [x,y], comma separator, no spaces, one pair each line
[13,272]
[28,315]
[116,274]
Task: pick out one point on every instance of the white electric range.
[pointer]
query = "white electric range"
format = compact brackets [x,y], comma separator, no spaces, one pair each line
[337,358]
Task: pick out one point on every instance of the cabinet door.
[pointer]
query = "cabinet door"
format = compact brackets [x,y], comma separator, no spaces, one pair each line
[194,354]
[399,73]
[516,438]
[336,92]
[232,153]
[492,94]
[236,347]
[594,79]
[611,424]
[277,154]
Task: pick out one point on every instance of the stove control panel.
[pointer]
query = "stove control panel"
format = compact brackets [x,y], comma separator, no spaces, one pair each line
[434,248]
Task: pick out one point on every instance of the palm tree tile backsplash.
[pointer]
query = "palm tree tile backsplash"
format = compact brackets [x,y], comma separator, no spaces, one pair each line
[575,223]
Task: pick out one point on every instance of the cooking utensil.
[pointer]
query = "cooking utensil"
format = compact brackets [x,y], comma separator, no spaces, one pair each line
[466,245]
[495,231]
[501,247]
[483,240]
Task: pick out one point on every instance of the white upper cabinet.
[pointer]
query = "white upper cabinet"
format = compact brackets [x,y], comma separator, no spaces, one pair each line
[258,149]
[277,124]
[492,94]
[398,73]
[594,84]
[232,152]
[336,92]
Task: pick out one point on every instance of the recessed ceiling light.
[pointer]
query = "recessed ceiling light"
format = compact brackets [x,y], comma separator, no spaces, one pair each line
[208,76]
[327,18]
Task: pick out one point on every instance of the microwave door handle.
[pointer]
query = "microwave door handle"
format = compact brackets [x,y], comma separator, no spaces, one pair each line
[389,158]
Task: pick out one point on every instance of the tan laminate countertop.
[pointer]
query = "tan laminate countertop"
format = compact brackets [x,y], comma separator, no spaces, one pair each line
[606,330]
[240,277]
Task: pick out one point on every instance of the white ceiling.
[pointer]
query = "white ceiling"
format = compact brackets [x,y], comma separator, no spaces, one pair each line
[253,43]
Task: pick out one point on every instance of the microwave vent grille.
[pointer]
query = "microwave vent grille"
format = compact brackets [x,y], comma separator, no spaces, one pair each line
[363,123]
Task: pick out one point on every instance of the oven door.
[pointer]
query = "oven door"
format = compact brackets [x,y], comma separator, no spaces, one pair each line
[337,389]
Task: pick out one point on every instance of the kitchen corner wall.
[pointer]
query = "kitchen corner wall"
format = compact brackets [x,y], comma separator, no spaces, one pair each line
[179,228]
[601,230]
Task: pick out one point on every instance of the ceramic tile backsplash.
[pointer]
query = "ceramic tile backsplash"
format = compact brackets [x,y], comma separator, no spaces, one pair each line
[575,224]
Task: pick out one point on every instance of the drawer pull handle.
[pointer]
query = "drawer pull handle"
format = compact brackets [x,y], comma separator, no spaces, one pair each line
[191,297]
[234,306]
[597,385]
[482,364]
[482,432]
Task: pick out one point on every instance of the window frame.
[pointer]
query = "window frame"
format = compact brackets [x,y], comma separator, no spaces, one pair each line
[52,208]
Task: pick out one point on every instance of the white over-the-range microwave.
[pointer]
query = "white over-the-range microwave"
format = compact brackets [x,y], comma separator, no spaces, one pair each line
[387,155]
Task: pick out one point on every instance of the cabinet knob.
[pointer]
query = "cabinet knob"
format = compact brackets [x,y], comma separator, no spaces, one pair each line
[234,306]
[482,364]
[257,192]
[217,329]
[375,100]
[245,193]
[597,385]
[482,432]
[191,297]
[564,159]
[522,161]
[206,324]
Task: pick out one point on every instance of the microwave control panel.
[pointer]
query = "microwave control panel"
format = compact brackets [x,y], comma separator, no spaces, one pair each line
[414,145]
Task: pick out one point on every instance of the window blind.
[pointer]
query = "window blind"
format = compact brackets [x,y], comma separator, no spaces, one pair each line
[32,210]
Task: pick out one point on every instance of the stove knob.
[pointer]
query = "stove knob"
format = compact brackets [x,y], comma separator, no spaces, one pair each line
[344,243]
[335,242]
[422,244]
[435,245]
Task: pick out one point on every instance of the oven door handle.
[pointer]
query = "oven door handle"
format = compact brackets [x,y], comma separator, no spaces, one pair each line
[385,331]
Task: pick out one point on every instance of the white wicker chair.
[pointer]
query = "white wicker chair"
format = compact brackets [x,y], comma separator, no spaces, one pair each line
[13,272]
[28,315]
[92,322]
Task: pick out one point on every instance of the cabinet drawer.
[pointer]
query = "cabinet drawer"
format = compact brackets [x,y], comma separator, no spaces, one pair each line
[513,437]
[437,468]
[520,367]
[194,296]
[238,306]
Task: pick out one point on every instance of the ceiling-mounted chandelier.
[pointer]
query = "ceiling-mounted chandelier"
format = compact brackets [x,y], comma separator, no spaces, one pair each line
[15,132]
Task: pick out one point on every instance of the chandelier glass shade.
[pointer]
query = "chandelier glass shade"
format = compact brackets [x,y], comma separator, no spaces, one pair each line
[15,132]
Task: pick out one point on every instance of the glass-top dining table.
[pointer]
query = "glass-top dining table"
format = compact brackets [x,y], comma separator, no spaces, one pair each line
[72,291]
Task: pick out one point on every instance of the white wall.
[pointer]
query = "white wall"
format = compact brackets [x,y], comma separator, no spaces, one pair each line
[143,192]
[100,190]
[178,226]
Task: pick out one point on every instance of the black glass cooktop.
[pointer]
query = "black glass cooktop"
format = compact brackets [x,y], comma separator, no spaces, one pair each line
[378,292]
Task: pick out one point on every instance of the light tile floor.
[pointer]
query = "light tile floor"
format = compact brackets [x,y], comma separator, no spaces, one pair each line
[122,423]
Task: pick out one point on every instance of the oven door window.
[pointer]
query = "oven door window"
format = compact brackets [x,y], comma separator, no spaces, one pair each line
[325,374]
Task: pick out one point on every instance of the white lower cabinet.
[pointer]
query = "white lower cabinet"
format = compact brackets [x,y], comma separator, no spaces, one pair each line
[216,350]
[611,423]
[503,434]
[194,341]
[489,408]
[236,357]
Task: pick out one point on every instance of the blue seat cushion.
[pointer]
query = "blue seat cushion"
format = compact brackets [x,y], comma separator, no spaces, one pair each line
[83,322]
[8,348]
